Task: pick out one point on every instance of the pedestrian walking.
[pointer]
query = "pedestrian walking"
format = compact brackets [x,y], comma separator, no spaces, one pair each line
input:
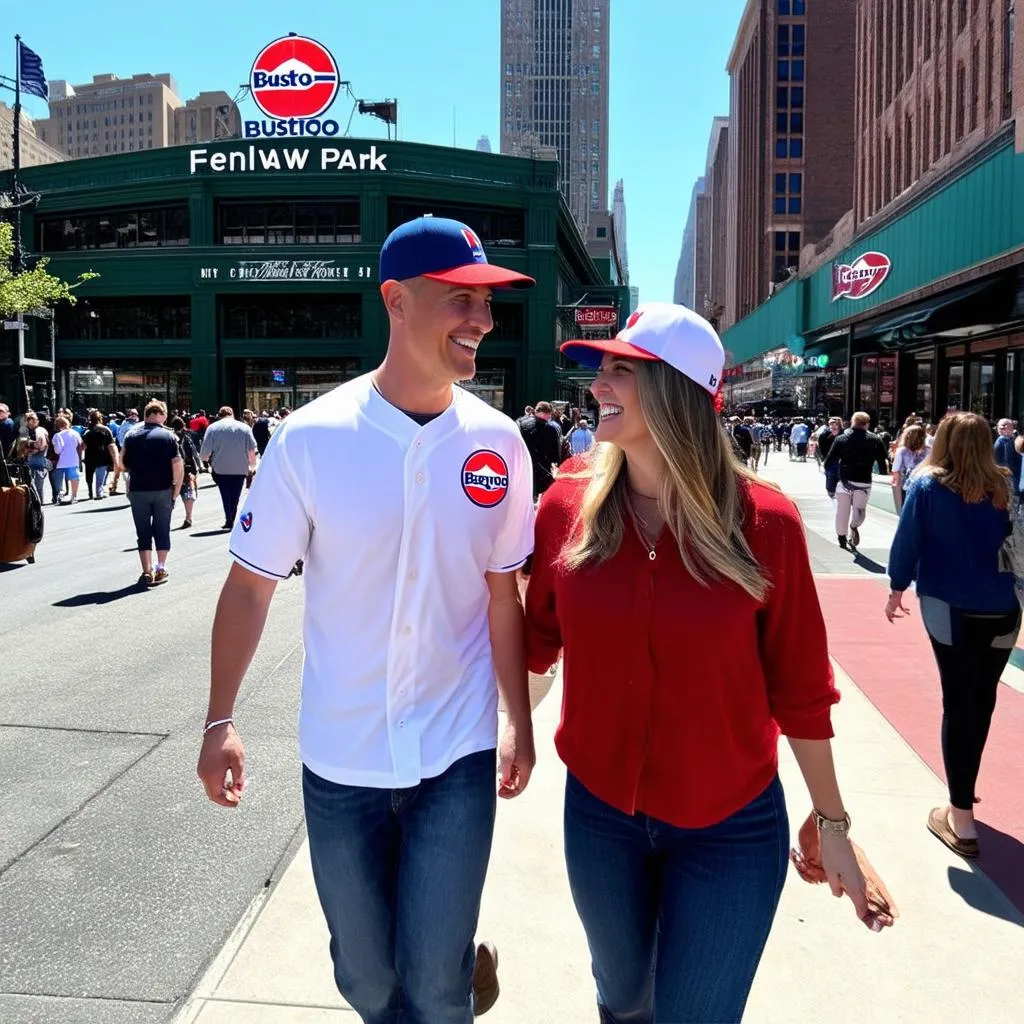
[581,438]
[855,452]
[410,502]
[99,454]
[130,420]
[8,431]
[826,438]
[35,449]
[230,449]
[152,457]
[261,431]
[1005,450]
[191,468]
[955,519]
[910,454]
[543,439]
[699,576]
[798,438]
[67,445]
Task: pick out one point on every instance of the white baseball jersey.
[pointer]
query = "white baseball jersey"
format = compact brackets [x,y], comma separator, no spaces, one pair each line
[397,523]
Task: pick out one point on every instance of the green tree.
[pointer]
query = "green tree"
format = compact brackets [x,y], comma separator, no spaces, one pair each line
[31,289]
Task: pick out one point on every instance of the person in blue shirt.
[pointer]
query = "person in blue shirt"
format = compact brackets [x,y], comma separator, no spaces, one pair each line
[955,519]
[1005,451]
[798,439]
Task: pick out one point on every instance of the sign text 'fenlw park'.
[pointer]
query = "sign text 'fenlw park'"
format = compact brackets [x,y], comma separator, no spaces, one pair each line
[293,81]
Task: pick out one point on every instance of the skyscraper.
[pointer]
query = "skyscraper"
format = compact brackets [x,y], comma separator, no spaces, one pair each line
[684,290]
[554,92]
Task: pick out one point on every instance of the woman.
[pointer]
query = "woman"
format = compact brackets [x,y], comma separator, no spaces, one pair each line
[67,445]
[675,821]
[100,454]
[37,444]
[910,454]
[954,522]
[190,481]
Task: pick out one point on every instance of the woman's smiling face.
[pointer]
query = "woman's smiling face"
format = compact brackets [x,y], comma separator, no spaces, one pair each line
[622,422]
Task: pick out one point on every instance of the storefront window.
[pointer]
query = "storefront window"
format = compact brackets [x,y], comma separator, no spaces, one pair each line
[289,383]
[983,386]
[923,387]
[265,223]
[111,387]
[955,387]
[488,385]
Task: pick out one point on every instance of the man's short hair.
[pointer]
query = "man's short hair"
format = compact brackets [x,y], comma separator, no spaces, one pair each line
[860,419]
[1004,422]
[544,407]
[154,407]
[224,411]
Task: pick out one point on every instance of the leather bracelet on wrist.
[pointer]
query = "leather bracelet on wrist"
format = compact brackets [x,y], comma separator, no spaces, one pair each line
[834,826]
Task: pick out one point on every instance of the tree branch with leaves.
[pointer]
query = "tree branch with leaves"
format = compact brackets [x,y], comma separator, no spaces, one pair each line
[31,289]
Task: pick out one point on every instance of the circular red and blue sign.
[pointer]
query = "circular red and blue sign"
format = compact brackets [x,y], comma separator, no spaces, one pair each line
[485,478]
[294,76]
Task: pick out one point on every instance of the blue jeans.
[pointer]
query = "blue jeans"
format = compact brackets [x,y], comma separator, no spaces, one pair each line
[230,487]
[151,511]
[399,873]
[676,918]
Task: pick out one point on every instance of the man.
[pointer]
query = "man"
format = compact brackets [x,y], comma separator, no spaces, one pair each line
[743,440]
[151,454]
[131,420]
[230,450]
[581,439]
[798,438]
[544,442]
[855,453]
[8,431]
[409,500]
[198,424]
[261,431]
[1005,451]
[825,439]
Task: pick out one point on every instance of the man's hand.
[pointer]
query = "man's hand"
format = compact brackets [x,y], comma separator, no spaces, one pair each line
[516,758]
[222,765]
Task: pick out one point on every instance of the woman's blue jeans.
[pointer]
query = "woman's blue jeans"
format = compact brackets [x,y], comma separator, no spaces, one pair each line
[676,918]
[399,873]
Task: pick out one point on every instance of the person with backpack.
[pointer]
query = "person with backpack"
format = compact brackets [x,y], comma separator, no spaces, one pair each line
[544,442]
[261,431]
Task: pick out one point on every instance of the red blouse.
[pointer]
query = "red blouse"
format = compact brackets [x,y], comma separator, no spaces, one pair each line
[674,692]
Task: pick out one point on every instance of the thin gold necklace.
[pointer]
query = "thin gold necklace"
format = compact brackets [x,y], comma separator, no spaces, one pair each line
[643,531]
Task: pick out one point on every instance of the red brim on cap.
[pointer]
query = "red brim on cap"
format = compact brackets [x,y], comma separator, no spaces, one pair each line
[486,274]
[588,351]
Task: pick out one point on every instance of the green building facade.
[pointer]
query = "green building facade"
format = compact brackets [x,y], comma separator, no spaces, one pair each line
[246,272]
[944,328]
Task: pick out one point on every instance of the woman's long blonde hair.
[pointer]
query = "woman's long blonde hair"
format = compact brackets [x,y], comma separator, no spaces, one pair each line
[699,495]
[962,460]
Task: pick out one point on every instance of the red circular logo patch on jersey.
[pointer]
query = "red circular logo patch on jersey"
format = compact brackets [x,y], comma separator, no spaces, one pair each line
[294,77]
[485,478]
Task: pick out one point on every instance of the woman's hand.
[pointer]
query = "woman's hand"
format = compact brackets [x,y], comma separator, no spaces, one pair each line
[894,608]
[841,862]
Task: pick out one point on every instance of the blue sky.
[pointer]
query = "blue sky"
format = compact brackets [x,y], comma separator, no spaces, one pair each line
[439,59]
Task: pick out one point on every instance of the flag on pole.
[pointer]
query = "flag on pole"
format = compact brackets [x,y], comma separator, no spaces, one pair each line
[33,81]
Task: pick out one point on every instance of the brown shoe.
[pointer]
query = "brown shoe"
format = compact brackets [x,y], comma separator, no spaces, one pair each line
[145,579]
[485,978]
[939,826]
[160,576]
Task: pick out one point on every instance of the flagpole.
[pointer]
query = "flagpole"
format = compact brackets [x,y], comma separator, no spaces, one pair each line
[19,255]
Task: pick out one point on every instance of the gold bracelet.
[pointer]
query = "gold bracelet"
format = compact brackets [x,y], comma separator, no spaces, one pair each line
[837,827]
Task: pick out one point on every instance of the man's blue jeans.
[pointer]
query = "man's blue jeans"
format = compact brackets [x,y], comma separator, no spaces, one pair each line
[399,873]
[676,918]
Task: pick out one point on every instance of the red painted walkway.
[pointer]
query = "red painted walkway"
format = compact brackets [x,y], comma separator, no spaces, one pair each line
[894,667]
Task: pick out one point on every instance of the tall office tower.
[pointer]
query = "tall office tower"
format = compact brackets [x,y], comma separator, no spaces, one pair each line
[483,144]
[684,292]
[554,93]
[122,115]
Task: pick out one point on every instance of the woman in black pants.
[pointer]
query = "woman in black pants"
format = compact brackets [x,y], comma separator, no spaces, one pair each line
[955,519]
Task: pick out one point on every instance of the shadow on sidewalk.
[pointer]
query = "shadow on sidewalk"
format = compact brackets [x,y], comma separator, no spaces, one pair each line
[1002,861]
[868,564]
[100,596]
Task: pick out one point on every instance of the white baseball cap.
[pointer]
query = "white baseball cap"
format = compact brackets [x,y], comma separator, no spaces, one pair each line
[660,331]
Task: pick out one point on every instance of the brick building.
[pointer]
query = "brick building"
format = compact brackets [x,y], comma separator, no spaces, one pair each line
[718,188]
[934,80]
[791,163]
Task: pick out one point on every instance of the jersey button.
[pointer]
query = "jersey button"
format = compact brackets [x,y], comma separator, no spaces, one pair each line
[407,630]
[420,478]
[413,576]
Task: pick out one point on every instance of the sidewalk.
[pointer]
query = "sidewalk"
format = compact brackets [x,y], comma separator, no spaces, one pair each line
[955,955]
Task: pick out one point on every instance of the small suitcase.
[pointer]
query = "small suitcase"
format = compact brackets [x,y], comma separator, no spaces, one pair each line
[21,519]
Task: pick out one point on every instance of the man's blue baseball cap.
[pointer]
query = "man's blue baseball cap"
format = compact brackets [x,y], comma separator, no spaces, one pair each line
[443,250]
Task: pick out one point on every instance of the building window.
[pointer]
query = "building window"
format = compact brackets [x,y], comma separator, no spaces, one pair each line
[937,133]
[961,75]
[786,254]
[602,232]
[1008,34]
[797,70]
[495,226]
[133,317]
[796,149]
[975,84]
[799,40]
[262,223]
[782,71]
[990,43]
[782,41]
[899,11]
[292,317]
[908,152]
[145,227]
[796,97]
